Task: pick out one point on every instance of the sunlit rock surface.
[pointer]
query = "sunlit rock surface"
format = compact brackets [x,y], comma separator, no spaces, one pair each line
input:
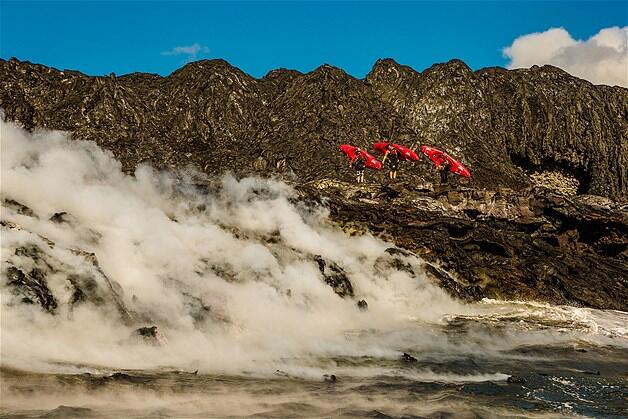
[503,124]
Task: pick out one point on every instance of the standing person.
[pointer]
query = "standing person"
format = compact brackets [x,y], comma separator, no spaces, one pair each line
[443,169]
[394,157]
[359,164]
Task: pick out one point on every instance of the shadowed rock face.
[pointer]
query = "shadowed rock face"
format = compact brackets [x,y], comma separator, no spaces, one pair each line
[526,245]
[501,124]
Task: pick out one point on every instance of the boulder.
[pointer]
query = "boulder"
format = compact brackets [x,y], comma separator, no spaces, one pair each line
[362,305]
[151,335]
[408,358]
[335,277]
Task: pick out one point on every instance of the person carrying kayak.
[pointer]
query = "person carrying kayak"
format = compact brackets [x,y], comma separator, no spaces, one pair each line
[443,169]
[394,157]
[358,163]
[444,163]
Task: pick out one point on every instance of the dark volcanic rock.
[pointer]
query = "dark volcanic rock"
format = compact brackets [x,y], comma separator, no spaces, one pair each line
[151,335]
[544,217]
[515,379]
[67,412]
[502,124]
[500,121]
[61,218]
[408,358]
[362,305]
[32,287]
[18,207]
[335,277]
[572,251]
[330,378]
[31,268]
[392,260]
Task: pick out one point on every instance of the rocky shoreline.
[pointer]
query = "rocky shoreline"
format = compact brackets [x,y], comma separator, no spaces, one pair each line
[528,245]
[532,245]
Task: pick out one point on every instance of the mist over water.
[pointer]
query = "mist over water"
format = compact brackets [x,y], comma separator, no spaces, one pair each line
[226,269]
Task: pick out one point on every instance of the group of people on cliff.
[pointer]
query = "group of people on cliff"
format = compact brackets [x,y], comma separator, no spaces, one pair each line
[394,154]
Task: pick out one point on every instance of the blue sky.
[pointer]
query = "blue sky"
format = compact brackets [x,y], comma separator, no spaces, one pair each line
[122,37]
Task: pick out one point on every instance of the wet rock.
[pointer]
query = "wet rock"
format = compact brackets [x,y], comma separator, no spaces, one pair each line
[506,253]
[31,267]
[32,287]
[515,379]
[408,358]
[18,207]
[591,372]
[62,218]
[330,378]
[362,305]
[63,412]
[151,335]
[335,277]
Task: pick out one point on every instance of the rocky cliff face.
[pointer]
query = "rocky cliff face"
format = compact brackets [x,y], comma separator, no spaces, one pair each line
[526,245]
[505,122]
[544,217]
[507,126]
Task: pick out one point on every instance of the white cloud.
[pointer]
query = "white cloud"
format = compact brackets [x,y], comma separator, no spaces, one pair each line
[601,59]
[191,51]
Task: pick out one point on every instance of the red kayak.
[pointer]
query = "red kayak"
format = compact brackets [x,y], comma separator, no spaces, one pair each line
[369,161]
[405,152]
[438,157]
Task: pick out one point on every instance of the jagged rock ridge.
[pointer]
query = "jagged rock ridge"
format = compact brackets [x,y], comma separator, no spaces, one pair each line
[503,124]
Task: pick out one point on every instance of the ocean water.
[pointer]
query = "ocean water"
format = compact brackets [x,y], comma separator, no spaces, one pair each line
[581,374]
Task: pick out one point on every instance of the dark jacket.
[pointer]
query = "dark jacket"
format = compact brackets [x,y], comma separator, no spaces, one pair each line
[358,163]
[394,157]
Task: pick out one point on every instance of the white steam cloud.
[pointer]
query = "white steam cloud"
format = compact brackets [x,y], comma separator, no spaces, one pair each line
[224,268]
[244,250]
[191,51]
[601,59]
